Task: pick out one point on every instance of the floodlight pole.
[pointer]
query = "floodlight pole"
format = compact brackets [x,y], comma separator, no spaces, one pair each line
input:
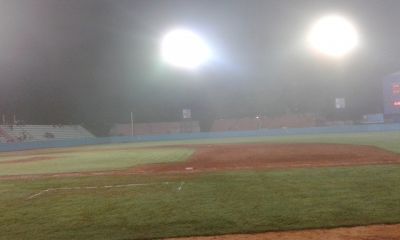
[131,123]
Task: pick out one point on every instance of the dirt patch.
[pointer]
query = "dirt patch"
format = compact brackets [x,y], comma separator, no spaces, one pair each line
[374,232]
[274,156]
[228,157]
[29,159]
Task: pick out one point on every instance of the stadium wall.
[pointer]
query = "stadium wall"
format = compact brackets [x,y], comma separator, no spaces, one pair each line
[201,135]
[263,122]
[157,128]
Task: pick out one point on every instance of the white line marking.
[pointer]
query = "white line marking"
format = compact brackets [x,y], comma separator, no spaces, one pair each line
[180,186]
[98,187]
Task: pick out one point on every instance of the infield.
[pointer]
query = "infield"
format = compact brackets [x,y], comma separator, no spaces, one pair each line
[174,189]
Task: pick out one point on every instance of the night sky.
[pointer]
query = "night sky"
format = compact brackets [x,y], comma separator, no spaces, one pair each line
[95,61]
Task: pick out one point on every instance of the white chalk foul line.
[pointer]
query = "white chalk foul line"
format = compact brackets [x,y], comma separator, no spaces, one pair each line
[101,187]
[180,186]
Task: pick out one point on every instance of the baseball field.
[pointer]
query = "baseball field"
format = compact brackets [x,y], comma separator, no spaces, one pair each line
[202,187]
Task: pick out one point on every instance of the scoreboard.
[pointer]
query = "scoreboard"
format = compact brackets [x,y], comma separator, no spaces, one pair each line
[391,94]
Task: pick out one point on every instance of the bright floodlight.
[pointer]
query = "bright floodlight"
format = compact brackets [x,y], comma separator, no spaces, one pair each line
[184,49]
[333,35]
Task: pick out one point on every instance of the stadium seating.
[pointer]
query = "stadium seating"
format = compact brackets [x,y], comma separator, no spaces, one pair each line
[21,133]
[262,122]
[5,137]
[220,125]
[155,128]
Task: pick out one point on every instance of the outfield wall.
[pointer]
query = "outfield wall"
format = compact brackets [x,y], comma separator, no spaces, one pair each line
[4,147]
[263,122]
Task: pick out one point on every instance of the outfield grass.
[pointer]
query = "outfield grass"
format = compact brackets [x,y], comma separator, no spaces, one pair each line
[206,205]
[91,160]
[385,140]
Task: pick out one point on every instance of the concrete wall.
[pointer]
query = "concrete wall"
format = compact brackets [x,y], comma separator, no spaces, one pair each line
[157,128]
[245,124]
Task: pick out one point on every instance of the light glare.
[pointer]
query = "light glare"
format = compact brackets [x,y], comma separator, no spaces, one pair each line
[184,49]
[333,35]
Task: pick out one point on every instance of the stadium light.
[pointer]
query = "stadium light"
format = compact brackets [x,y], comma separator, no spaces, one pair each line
[184,49]
[333,35]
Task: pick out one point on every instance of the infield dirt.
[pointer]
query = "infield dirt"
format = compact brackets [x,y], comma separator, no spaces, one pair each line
[274,156]
[260,157]
[374,232]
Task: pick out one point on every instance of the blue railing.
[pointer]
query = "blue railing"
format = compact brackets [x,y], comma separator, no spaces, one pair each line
[4,147]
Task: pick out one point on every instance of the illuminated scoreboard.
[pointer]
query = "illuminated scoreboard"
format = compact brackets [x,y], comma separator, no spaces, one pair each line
[391,94]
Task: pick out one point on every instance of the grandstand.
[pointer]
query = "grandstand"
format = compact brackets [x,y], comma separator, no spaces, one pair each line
[263,122]
[157,128]
[219,125]
[22,133]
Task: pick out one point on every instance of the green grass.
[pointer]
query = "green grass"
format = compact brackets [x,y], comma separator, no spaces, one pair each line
[209,204]
[386,140]
[92,160]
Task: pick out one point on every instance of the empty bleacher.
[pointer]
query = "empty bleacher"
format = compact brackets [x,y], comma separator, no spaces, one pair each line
[158,128]
[263,122]
[22,133]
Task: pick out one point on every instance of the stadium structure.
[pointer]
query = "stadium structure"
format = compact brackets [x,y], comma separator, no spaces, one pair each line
[16,133]
[391,97]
